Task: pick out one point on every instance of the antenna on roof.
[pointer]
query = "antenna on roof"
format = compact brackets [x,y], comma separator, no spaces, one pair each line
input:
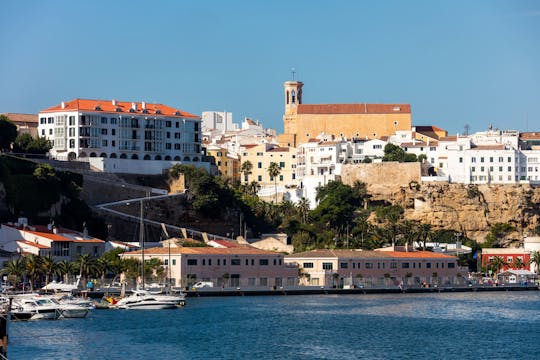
[293,71]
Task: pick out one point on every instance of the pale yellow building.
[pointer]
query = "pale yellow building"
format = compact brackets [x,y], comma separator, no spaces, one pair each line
[261,156]
[360,121]
[227,164]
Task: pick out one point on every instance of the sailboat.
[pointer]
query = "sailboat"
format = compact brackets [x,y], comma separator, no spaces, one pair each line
[142,298]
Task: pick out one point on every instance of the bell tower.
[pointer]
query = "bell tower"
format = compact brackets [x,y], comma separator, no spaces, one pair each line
[293,95]
[293,98]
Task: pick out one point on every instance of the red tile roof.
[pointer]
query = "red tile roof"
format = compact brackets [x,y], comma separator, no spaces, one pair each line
[354,109]
[227,243]
[203,251]
[490,147]
[121,107]
[449,138]
[360,254]
[279,149]
[526,135]
[36,245]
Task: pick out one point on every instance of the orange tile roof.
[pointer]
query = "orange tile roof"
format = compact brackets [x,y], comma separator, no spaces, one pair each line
[489,147]
[94,240]
[449,138]
[354,109]
[50,236]
[247,250]
[124,107]
[36,245]
[530,135]
[360,254]
[279,149]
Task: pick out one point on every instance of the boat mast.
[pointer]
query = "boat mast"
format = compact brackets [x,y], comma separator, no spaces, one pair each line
[141,241]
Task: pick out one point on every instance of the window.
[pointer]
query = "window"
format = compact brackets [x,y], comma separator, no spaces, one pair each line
[259,178]
[428,265]
[235,261]
[192,262]
[103,131]
[405,265]
[263,281]
[490,159]
[344,265]
[369,265]
[281,164]
[473,159]
[327,265]
[280,177]
[393,265]
[460,160]
[167,123]
[263,262]
[482,159]
[104,120]
[259,165]
[307,265]
[174,261]
[451,265]
[166,262]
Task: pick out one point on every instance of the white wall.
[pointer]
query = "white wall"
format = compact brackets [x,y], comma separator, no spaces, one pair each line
[147,167]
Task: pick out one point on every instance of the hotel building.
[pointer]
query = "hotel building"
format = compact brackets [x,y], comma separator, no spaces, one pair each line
[118,136]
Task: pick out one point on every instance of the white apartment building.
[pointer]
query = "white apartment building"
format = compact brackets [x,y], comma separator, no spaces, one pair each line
[218,120]
[116,136]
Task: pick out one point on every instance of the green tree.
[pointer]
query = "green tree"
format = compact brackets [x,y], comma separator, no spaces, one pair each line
[50,267]
[66,269]
[498,263]
[87,266]
[535,259]
[8,132]
[337,204]
[246,168]
[274,170]
[15,269]
[497,234]
[396,153]
[303,209]
[33,266]
[25,143]
[391,216]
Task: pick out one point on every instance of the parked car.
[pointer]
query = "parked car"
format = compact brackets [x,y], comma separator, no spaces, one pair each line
[203,284]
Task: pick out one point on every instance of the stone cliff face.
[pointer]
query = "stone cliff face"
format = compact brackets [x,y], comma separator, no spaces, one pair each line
[470,209]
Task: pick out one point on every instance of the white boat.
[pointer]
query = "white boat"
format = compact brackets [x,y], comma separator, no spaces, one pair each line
[72,308]
[144,300]
[40,308]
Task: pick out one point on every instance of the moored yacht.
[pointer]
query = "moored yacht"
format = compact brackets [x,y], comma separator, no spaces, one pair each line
[34,307]
[144,300]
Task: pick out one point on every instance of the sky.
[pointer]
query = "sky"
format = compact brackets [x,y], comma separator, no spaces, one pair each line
[457,63]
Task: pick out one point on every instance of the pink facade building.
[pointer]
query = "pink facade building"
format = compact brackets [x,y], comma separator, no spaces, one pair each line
[242,266]
[372,268]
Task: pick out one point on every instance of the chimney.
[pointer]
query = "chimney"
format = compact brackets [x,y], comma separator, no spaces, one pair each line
[114,102]
[143,105]
[63,105]
[134,106]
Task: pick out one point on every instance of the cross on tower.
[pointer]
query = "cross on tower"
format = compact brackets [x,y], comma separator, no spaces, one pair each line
[293,72]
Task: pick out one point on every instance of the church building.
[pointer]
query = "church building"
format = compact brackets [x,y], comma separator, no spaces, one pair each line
[351,121]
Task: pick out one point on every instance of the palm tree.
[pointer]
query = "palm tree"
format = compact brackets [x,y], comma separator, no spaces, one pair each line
[33,268]
[518,264]
[274,170]
[50,267]
[102,267]
[253,187]
[87,266]
[498,263]
[14,268]
[66,268]
[535,259]
[246,168]
[303,209]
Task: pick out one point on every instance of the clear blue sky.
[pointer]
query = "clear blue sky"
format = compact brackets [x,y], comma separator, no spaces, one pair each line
[456,62]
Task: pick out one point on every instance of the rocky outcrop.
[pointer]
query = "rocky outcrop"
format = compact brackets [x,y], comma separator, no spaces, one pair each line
[470,209]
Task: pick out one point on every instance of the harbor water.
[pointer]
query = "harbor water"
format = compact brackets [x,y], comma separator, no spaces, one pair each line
[498,325]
